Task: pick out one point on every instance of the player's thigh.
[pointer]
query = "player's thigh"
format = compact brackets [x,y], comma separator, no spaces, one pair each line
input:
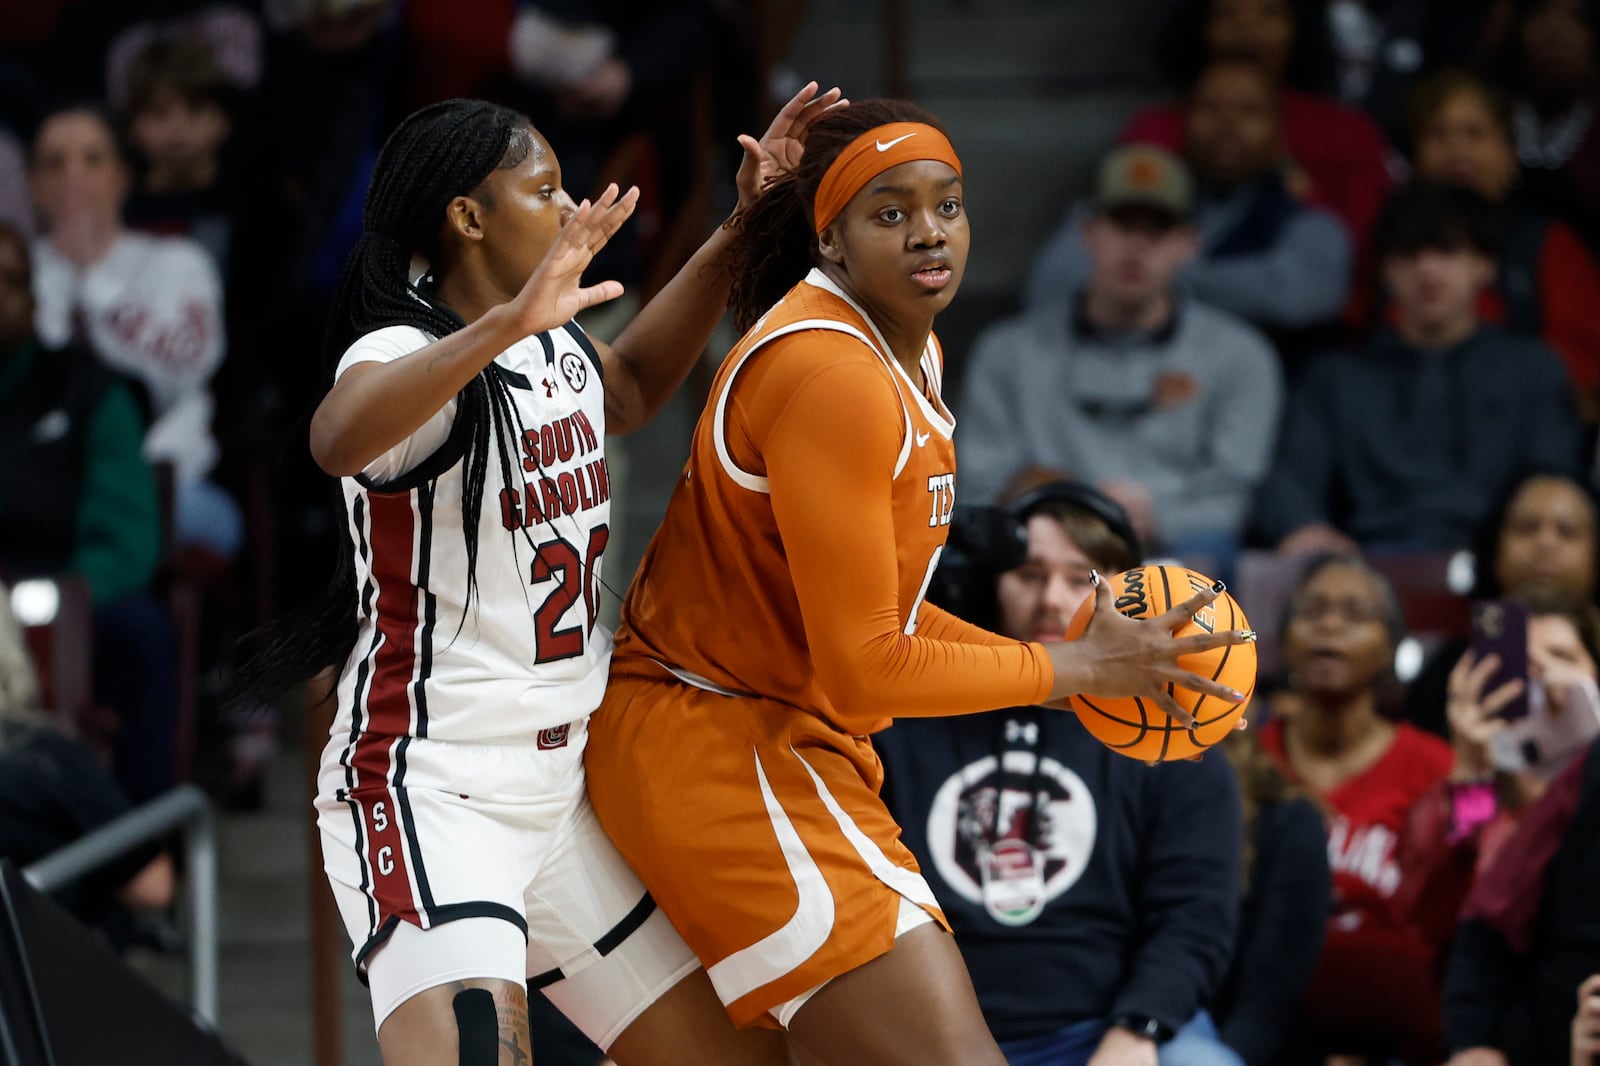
[688,1026]
[472,1022]
[609,959]
[913,1006]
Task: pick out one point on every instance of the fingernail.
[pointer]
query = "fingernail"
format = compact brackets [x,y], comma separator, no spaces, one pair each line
[1247,635]
[1219,586]
[1236,695]
[1094,577]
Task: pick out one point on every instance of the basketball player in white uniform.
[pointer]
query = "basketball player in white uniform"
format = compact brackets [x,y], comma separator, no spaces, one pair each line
[466,423]
[451,795]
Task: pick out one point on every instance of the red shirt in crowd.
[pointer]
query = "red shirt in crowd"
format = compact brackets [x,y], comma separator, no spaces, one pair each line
[1340,149]
[1375,984]
[1368,813]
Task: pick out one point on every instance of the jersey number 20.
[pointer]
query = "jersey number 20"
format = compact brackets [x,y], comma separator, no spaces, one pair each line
[574,577]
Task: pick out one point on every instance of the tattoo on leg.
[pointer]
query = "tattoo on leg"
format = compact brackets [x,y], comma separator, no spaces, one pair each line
[511,1010]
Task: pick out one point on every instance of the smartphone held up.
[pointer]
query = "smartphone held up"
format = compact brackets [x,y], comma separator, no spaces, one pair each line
[1557,711]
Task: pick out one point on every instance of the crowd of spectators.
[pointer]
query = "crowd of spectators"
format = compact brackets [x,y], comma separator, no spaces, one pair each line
[1338,301]
[1331,311]
[179,183]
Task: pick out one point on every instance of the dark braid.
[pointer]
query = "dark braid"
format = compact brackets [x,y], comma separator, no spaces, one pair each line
[438,153]
[775,243]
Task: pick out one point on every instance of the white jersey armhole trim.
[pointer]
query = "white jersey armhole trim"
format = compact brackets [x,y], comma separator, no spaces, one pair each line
[740,476]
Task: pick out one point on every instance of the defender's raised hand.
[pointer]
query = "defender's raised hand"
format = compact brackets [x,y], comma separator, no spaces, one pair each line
[781,147]
[554,293]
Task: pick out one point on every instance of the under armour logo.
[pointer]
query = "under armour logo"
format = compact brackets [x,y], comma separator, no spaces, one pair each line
[549,388]
[1024,731]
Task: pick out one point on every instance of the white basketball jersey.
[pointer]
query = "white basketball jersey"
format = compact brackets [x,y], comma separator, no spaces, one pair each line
[527,654]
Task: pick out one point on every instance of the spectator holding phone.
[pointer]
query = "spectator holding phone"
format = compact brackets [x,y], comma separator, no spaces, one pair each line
[1503,707]
[1544,532]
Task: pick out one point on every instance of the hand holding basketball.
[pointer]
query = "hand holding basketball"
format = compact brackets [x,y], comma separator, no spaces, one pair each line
[1112,655]
[1160,682]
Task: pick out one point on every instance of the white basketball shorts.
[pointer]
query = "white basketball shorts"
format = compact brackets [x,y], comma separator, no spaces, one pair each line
[456,860]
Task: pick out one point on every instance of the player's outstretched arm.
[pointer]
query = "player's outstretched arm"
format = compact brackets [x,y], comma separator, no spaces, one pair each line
[374,406]
[647,363]
[828,428]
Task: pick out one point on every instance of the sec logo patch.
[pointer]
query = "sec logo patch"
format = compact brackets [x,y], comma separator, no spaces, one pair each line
[575,371]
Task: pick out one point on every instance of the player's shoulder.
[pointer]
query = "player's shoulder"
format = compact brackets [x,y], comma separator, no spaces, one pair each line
[823,358]
[397,339]
[810,329]
[384,345]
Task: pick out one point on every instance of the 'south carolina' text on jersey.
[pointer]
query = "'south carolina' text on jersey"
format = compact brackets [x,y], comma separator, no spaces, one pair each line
[549,494]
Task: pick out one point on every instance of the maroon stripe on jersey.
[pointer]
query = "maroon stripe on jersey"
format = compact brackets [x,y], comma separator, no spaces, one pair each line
[394,570]
[388,704]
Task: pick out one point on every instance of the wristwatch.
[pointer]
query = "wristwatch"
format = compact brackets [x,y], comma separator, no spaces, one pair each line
[1143,1025]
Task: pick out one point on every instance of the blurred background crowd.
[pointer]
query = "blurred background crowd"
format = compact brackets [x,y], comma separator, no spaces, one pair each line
[1305,294]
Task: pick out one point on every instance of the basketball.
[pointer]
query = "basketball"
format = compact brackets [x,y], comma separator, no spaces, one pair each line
[1138,728]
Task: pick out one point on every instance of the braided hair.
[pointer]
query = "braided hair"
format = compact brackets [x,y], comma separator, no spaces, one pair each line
[775,243]
[443,151]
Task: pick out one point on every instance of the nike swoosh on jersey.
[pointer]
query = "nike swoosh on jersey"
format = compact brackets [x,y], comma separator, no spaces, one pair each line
[884,147]
[922,438]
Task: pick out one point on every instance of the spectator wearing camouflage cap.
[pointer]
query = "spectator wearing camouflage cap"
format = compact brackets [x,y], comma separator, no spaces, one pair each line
[1167,404]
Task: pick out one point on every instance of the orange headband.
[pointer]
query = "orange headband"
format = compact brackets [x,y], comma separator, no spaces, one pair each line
[870,155]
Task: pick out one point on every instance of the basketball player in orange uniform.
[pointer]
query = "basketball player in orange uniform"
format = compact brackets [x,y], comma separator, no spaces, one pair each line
[778,618]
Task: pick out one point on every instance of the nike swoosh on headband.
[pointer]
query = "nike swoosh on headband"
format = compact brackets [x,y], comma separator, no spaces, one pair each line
[882,147]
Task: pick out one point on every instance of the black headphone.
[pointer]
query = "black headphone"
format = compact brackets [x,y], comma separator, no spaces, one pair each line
[986,541]
[1086,498]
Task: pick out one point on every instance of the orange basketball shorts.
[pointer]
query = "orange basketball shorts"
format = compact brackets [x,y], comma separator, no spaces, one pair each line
[758,829]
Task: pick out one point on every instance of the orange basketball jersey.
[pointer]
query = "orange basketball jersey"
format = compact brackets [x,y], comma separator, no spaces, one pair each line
[714,602]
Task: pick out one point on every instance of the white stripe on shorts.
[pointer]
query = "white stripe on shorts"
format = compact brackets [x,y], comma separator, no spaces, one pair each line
[908,884]
[801,936]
